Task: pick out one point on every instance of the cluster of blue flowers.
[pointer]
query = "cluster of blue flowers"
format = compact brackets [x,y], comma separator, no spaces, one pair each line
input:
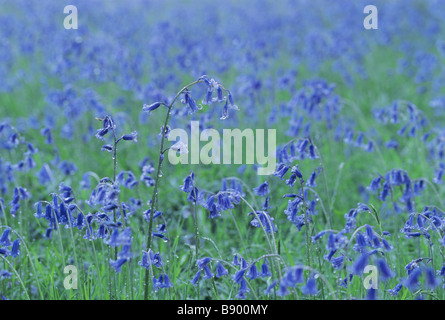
[8,248]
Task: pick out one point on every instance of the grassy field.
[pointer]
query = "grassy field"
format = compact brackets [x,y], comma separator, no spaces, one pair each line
[368,102]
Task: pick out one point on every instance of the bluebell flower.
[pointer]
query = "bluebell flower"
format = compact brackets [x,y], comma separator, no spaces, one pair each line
[46,132]
[412,282]
[431,282]
[208,98]
[331,242]
[293,276]
[360,264]
[344,283]
[160,231]
[441,273]
[282,290]
[189,183]
[125,253]
[224,201]
[384,271]
[330,255]
[68,168]
[295,170]
[413,265]
[318,236]
[119,239]
[133,136]
[238,276]
[190,102]
[281,171]
[266,203]
[214,213]
[207,272]
[100,134]
[371,294]
[361,243]
[262,190]
[236,261]
[85,182]
[151,107]
[150,258]
[292,179]
[15,250]
[14,208]
[110,207]
[337,262]
[126,179]
[146,178]
[162,282]
[102,231]
[312,154]
[220,270]
[265,221]
[107,147]
[49,215]
[225,111]
[395,291]
[220,94]
[147,214]
[346,280]
[241,296]
[438,176]
[5,274]
[409,224]
[310,288]
[80,222]
[265,272]
[386,190]
[48,233]
[209,202]
[409,235]
[231,101]
[117,264]
[4,239]
[369,147]
[166,281]
[243,289]
[253,272]
[243,263]
[386,245]
[165,132]
[270,287]
[195,279]
[195,196]
[157,283]
[201,263]
[311,181]
[145,260]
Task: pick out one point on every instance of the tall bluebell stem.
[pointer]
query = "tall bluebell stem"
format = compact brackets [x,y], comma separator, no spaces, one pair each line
[158,175]
[212,86]
[195,196]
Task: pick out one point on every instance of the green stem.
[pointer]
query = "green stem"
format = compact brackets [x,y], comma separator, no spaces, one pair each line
[196,233]
[306,222]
